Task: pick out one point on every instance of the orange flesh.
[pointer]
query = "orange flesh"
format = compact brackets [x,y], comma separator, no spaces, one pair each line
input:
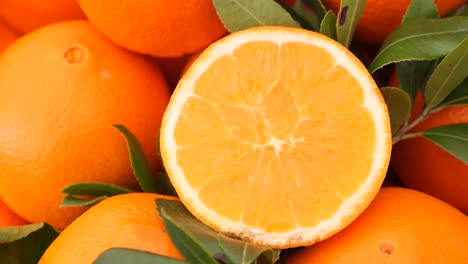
[272,117]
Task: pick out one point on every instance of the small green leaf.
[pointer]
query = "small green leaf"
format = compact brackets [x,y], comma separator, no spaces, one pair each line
[412,76]
[306,19]
[459,96]
[165,186]
[448,75]
[194,240]
[317,6]
[140,166]
[132,256]
[399,106]
[238,15]
[25,244]
[201,244]
[421,39]
[451,138]
[98,190]
[328,25]
[72,201]
[95,189]
[421,9]
[463,11]
[307,15]
[347,20]
[239,252]
[270,256]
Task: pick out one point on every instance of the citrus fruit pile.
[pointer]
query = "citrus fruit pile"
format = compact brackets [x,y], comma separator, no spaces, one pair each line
[222,131]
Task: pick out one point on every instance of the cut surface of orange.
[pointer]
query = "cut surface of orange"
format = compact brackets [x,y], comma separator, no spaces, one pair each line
[278,136]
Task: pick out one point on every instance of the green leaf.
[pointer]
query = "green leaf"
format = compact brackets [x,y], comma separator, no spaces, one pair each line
[25,244]
[201,244]
[309,17]
[140,166]
[305,18]
[165,186]
[421,39]
[328,25]
[98,190]
[399,106]
[95,189]
[194,240]
[269,256]
[459,96]
[421,9]
[448,75]
[72,201]
[317,6]
[463,11]
[412,76]
[132,256]
[238,15]
[451,138]
[348,17]
[239,252]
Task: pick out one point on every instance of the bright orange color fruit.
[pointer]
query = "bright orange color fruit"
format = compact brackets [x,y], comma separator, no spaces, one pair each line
[62,88]
[27,15]
[8,217]
[7,36]
[156,27]
[381,17]
[424,166]
[125,221]
[401,226]
[276,135]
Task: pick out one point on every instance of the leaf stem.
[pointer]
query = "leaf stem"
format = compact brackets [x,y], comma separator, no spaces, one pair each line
[402,133]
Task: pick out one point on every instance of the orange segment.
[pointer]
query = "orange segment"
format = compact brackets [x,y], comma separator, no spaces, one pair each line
[278,136]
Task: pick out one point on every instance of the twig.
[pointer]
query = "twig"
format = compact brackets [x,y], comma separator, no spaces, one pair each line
[402,133]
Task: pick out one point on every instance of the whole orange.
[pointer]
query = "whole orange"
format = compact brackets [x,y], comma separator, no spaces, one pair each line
[424,166]
[381,17]
[61,89]
[27,15]
[8,217]
[128,221]
[400,226]
[156,27]
[7,36]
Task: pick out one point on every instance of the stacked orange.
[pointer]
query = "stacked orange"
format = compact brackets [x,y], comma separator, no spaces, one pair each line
[413,159]
[287,120]
[27,15]
[56,123]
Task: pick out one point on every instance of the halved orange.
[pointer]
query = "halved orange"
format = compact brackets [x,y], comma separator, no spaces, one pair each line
[278,136]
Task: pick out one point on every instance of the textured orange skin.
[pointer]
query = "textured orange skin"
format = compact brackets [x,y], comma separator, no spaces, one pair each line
[8,217]
[156,27]
[128,221]
[7,36]
[380,17]
[56,117]
[400,226]
[424,166]
[27,15]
